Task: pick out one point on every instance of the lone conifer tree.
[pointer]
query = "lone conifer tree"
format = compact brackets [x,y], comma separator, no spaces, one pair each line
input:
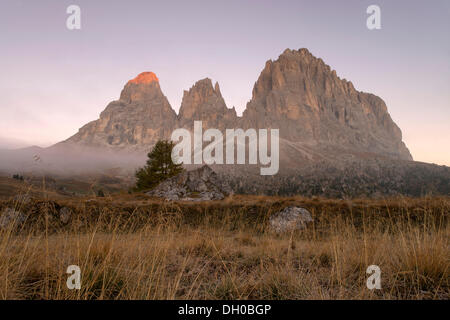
[159,166]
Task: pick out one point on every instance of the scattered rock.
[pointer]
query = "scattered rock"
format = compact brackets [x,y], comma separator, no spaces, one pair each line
[22,199]
[10,217]
[201,184]
[65,214]
[289,219]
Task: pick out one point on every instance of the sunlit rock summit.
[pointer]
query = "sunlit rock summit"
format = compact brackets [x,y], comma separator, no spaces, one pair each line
[136,121]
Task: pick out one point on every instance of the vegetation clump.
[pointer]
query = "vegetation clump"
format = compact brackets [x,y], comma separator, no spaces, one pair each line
[159,167]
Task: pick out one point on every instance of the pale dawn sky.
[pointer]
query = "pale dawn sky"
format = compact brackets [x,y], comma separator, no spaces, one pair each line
[54,80]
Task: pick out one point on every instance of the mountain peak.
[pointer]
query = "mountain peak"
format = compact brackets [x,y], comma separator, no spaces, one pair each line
[145,77]
[203,101]
[203,83]
[299,52]
[203,89]
[144,87]
[304,97]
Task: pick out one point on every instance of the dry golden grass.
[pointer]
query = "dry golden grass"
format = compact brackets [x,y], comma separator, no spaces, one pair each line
[136,247]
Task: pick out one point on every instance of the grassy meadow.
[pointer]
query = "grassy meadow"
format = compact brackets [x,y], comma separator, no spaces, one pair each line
[138,247]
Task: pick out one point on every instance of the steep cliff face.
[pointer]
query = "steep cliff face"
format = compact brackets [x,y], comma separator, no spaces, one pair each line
[319,115]
[205,102]
[137,120]
[309,103]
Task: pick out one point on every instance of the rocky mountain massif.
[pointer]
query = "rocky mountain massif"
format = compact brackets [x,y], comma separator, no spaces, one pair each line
[320,116]
[334,140]
[195,185]
[320,113]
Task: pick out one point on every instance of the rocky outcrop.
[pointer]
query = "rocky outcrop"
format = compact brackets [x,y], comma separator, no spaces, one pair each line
[205,102]
[299,94]
[11,218]
[197,185]
[65,214]
[22,199]
[290,219]
[136,121]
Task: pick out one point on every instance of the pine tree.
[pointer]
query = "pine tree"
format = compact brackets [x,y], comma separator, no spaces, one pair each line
[159,166]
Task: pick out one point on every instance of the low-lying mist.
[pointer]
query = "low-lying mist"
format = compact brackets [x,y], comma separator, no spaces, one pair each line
[68,161]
